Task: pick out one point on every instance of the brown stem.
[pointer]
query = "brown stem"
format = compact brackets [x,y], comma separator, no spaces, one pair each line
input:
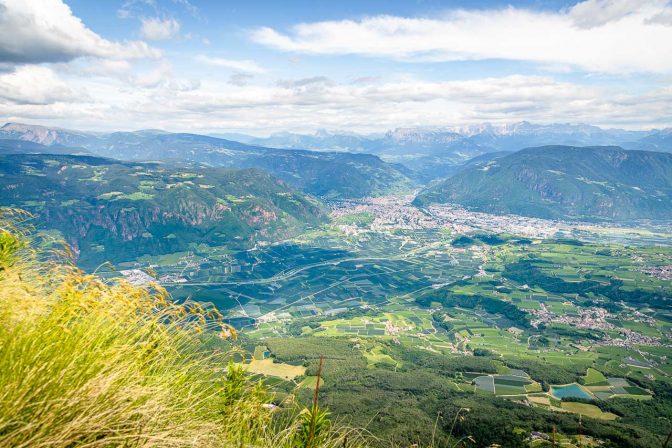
[313,414]
[667,441]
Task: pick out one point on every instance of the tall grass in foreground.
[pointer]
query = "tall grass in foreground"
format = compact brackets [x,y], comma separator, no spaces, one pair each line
[84,363]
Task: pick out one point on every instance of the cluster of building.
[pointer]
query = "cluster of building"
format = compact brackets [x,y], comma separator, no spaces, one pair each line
[397,213]
[462,220]
[631,339]
[596,318]
[388,213]
[589,318]
[659,272]
[137,277]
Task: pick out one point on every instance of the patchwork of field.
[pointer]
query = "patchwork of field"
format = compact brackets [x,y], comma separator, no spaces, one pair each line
[368,289]
[618,387]
[319,275]
[514,384]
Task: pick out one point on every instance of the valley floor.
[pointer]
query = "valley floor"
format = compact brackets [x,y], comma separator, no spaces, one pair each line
[554,318]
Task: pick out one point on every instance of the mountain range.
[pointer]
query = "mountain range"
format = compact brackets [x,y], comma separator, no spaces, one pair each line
[477,166]
[326,174]
[566,182]
[403,155]
[486,137]
[432,153]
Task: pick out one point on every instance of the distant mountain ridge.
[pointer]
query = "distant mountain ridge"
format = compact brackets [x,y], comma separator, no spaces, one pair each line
[327,174]
[427,153]
[435,152]
[44,135]
[9,146]
[564,182]
[504,137]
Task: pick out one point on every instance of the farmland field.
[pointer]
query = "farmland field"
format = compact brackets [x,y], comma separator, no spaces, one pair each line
[271,368]
[588,410]
[411,313]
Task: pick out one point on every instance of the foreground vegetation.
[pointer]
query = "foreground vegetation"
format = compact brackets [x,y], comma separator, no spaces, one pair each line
[86,363]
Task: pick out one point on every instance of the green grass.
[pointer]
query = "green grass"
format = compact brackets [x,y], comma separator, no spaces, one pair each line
[136,196]
[268,367]
[595,378]
[587,410]
[634,390]
[87,363]
[376,356]
[259,352]
[508,390]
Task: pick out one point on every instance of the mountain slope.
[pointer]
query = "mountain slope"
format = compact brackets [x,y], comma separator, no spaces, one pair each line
[328,174]
[320,141]
[565,182]
[45,135]
[8,146]
[110,210]
[659,141]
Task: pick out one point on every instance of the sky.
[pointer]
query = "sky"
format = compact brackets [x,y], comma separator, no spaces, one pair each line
[259,67]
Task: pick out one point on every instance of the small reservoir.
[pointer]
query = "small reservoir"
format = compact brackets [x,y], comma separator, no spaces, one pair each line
[570,391]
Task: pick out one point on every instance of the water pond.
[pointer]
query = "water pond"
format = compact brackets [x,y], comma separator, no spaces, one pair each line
[570,390]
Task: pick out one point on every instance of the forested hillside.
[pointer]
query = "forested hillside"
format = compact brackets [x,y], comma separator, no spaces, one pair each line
[114,211]
[590,183]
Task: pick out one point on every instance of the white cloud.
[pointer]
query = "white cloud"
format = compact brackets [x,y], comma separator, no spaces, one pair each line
[160,77]
[240,79]
[110,68]
[663,18]
[157,100]
[154,28]
[241,65]
[595,35]
[35,85]
[594,13]
[34,31]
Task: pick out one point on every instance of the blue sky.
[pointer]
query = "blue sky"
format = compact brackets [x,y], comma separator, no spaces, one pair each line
[358,66]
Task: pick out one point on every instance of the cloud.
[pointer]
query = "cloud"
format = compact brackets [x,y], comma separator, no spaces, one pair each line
[109,67]
[306,82]
[162,76]
[663,18]
[35,31]
[35,85]
[157,99]
[241,65]
[154,28]
[363,80]
[240,79]
[191,9]
[612,36]
[594,13]
[134,8]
